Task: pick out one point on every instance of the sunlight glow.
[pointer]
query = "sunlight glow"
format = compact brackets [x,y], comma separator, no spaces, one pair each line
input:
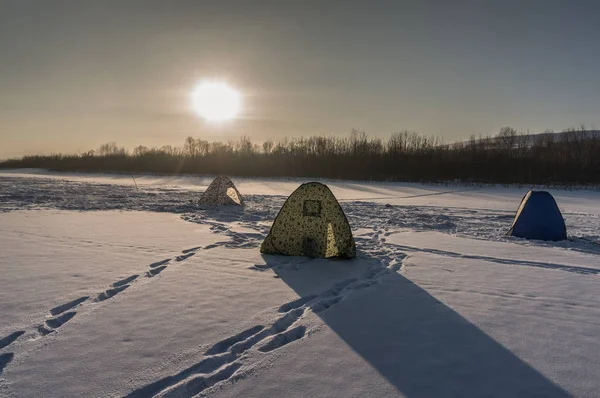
[216,101]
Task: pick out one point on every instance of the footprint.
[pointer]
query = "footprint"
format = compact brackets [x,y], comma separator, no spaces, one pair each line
[195,388]
[373,272]
[325,304]
[125,281]
[42,330]
[284,338]
[6,341]
[396,267]
[219,228]
[296,303]
[362,284]
[155,271]
[245,345]
[338,287]
[159,263]
[55,323]
[5,360]
[184,257]
[205,366]
[198,384]
[110,293]
[193,249]
[224,345]
[281,325]
[287,320]
[67,306]
[261,267]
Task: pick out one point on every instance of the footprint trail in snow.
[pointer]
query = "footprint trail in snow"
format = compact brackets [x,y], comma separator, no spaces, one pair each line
[227,358]
[63,313]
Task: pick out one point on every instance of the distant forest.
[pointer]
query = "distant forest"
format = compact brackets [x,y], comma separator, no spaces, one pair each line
[569,157]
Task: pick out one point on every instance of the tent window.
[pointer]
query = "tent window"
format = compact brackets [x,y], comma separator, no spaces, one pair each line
[312,208]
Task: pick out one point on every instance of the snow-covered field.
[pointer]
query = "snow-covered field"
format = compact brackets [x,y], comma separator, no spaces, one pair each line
[111,291]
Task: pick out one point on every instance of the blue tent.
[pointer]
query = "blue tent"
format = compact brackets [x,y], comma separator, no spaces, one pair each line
[538,217]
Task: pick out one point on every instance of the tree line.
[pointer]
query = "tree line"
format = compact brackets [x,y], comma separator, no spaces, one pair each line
[569,157]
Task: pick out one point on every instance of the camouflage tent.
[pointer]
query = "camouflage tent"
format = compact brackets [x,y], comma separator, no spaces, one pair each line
[221,192]
[311,223]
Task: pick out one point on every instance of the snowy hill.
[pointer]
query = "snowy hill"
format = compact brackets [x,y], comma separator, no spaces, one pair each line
[530,139]
[111,291]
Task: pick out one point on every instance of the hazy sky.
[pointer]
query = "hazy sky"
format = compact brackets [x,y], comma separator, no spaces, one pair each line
[76,74]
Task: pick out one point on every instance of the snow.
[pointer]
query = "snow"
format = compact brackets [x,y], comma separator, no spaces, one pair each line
[108,291]
[48,254]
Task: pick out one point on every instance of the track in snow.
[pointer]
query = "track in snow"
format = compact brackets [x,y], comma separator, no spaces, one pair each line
[227,358]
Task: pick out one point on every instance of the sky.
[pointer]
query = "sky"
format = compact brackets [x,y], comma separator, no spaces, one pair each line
[77,74]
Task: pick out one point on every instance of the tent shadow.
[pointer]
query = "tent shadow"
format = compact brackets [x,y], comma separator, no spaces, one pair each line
[420,345]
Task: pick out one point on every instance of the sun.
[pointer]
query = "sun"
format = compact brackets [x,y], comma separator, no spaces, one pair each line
[216,101]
